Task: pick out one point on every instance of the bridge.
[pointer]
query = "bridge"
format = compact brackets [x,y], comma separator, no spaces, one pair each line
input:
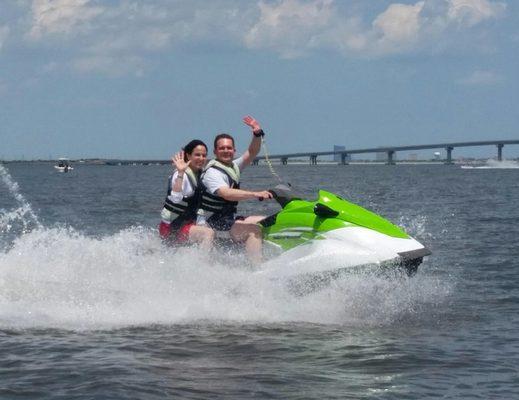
[390,151]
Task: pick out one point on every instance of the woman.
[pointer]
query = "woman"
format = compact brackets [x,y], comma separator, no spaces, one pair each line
[181,211]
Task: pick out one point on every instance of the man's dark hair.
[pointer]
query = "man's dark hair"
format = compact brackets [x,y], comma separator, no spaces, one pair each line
[188,148]
[223,136]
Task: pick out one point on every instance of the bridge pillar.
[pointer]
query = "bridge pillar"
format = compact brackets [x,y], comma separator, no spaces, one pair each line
[313,159]
[449,155]
[344,158]
[500,152]
[284,160]
[390,155]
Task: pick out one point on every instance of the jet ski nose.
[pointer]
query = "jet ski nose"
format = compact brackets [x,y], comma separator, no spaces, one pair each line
[410,260]
[413,254]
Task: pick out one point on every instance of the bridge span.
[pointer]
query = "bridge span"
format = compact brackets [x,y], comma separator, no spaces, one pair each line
[390,151]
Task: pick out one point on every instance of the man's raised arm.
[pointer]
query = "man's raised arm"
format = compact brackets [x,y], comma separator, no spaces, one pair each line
[255,144]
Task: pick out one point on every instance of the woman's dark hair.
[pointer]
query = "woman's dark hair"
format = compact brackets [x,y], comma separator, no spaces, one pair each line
[188,148]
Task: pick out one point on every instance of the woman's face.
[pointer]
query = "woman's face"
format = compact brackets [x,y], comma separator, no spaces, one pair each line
[197,157]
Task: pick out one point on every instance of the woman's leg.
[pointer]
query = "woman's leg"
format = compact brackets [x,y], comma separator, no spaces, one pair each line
[164,230]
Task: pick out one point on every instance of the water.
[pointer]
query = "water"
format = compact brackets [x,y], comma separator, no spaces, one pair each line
[93,306]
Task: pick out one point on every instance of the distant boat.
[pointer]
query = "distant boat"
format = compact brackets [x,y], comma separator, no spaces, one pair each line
[63,165]
[494,164]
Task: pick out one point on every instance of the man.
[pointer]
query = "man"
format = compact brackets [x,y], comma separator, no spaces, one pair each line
[222,191]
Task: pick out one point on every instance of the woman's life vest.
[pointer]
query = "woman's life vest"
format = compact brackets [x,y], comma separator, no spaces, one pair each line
[214,203]
[187,208]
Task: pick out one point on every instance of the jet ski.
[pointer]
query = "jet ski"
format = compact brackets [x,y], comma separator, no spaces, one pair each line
[331,234]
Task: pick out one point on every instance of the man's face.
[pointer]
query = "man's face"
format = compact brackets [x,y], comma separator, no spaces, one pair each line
[224,150]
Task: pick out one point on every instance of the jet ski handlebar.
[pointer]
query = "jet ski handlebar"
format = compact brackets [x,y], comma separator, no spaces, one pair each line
[284,194]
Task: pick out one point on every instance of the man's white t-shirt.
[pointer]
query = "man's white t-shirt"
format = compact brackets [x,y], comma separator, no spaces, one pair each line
[214,179]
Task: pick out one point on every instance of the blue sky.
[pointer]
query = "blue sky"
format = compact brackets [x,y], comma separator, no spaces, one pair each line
[138,79]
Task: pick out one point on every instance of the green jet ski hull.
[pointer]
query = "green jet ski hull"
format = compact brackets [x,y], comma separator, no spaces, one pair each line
[308,236]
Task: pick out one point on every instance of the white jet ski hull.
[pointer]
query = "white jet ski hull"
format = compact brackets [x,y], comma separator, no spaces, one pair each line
[342,249]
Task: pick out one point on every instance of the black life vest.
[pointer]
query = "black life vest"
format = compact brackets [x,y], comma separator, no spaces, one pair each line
[188,207]
[216,204]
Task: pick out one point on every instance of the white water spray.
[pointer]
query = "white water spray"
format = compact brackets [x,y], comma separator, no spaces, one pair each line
[23,213]
[61,278]
[506,164]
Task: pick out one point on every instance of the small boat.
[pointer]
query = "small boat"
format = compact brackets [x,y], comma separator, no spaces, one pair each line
[493,164]
[63,165]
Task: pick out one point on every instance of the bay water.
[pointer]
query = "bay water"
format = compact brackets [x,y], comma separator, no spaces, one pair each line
[93,305]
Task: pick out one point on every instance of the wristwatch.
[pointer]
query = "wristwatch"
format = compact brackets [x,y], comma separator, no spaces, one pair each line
[258,133]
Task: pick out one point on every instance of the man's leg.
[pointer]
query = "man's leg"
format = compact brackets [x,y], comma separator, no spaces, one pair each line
[254,219]
[249,232]
[202,235]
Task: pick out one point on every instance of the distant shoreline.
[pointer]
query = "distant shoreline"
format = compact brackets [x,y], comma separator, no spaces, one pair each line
[121,162]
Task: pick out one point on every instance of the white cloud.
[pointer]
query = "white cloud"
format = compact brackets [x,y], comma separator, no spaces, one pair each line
[398,27]
[67,17]
[119,36]
[297,27]
[111,65]
[472,12]
[290,27]
[481,78]
[4,33]
[400,22]
[112,39]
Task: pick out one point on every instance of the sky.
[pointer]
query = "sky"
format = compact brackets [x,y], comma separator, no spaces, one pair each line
[138,79]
